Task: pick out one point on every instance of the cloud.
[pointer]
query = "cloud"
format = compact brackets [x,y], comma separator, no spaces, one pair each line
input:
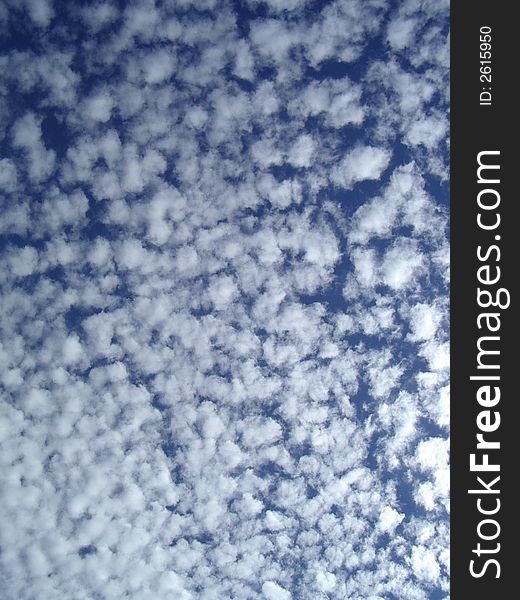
[428,131]
[362,163]
[40,11]
[401,264]
[389,519]
[301,152]
[224,322]
[8,175]
[27,135]
[222,291]
[99,106]
[424,322]
[400,33]
[272,591]
[338,101]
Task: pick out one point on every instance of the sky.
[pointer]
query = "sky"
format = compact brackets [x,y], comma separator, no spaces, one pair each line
[224,300]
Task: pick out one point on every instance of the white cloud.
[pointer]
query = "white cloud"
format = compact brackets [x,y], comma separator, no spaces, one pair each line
[424,564]
[244,62]
[339,101]
[389,519]
[362,163]
[158,67]
[326,581]
[99,15]
[400,33]
[24,262]
[40,11]
[221,358]
[98,106]
[222,291]
[272,39]
[27,135]
[265,153]
[301,151]
[400,264]
[425,320]
[428,131]
[258,432]
[8,175]
[273,591]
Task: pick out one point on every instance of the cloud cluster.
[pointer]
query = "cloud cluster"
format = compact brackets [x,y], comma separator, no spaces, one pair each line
[223,356]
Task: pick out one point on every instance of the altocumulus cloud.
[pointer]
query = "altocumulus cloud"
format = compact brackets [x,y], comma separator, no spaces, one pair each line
[223,358]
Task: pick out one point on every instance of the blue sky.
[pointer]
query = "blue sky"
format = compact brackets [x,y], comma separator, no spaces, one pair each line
[224,300]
